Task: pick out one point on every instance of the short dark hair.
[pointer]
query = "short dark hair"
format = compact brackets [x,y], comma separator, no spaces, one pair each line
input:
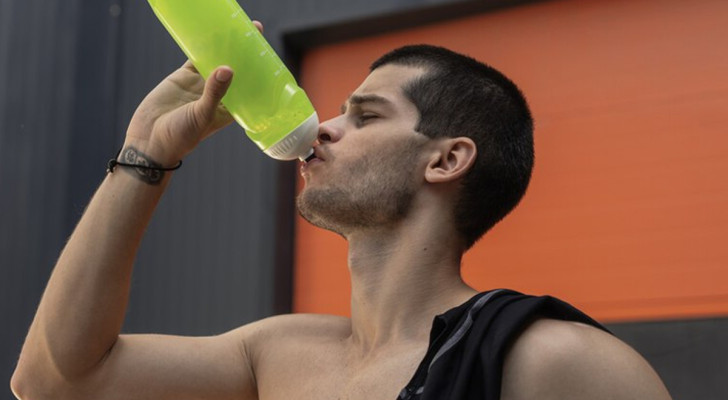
[460,96]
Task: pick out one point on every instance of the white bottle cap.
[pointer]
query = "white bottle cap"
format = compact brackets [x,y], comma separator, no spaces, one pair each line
[298,143]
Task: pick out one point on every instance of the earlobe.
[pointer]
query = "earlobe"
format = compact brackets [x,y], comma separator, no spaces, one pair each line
[451,160]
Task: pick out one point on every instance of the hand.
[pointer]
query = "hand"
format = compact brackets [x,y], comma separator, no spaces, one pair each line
[180,112]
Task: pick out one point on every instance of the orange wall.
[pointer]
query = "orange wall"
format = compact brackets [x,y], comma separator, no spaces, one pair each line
[627,213]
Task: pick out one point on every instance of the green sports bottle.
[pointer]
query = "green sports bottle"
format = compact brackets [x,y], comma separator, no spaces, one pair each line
[263,97]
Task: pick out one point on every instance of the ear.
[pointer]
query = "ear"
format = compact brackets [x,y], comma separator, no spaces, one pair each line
[452,159]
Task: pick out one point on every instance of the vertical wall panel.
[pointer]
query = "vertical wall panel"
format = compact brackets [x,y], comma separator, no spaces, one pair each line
[37,90]
[691,356]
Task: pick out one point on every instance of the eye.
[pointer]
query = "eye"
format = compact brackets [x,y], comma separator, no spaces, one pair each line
[364,117]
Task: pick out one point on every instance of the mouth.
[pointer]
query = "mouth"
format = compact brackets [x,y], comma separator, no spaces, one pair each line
[314,158]
[309,158]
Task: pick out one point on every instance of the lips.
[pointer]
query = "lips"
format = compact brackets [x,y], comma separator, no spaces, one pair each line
[313,159]
[309,158]
[315,156]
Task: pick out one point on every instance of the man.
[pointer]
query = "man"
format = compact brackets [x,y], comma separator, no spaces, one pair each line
[429,152]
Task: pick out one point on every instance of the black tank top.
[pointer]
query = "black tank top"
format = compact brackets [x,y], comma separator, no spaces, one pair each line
[468,343]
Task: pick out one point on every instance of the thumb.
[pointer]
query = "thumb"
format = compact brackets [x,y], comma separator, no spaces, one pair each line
[215,88]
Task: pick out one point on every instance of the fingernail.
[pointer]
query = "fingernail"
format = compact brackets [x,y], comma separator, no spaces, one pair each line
[223,75]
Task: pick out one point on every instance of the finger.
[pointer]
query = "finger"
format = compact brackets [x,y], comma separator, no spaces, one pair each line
[215,88]
[258,25]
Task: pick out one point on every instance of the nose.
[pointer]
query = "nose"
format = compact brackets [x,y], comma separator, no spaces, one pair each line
[329,131]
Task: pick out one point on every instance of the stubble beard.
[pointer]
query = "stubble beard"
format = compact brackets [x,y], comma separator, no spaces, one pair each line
[378,192]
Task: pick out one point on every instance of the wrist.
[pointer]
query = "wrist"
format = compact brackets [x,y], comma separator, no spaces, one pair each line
[159,151]
[140,165]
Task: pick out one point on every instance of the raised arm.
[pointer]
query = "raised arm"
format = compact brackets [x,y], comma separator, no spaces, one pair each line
[73,348]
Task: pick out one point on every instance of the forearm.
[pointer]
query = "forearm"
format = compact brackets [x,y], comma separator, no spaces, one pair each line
[82,310]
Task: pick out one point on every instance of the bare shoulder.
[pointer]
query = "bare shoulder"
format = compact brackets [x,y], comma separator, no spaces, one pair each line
[284,351]
[283,336]
[294,327]
[555,359]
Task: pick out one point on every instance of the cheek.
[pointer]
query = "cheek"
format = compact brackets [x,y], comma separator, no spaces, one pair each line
[389,165]
[377,158]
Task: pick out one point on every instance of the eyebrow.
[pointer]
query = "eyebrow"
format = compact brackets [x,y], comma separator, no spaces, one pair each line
[362,99]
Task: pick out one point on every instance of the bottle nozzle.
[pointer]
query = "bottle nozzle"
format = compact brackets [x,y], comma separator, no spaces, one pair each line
[308,156]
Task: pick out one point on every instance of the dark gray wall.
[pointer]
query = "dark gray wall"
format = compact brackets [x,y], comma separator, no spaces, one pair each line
[38,46]
[691,356]
[217,253]
[71,74]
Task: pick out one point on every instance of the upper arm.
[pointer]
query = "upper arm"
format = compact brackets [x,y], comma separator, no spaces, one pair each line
[227,366]
[565,360]
[162,367]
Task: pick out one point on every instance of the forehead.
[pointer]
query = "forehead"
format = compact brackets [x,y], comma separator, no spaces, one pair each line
[387,81]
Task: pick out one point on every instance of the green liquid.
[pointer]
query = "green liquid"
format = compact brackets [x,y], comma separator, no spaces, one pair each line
[264,97]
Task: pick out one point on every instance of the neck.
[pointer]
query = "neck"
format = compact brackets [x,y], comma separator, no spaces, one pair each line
[401,277]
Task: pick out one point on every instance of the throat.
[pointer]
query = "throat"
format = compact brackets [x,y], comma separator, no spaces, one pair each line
[396,294]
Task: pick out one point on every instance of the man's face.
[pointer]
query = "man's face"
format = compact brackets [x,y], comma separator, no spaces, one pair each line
[369,160]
